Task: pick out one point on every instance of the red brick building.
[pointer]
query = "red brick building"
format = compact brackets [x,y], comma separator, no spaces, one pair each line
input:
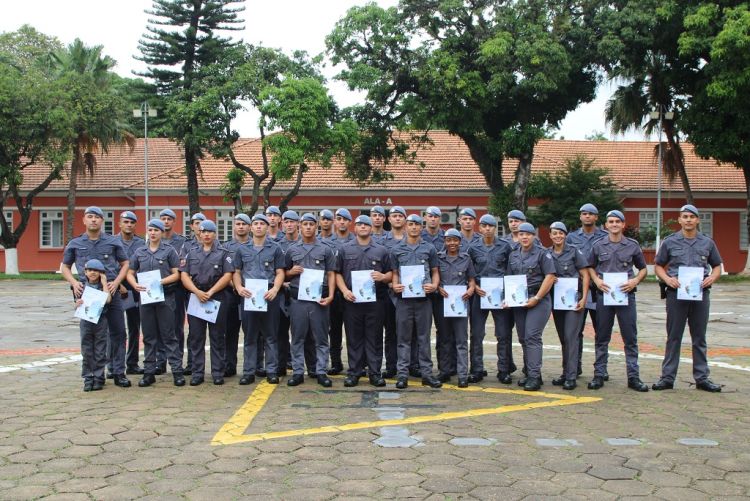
[449,180]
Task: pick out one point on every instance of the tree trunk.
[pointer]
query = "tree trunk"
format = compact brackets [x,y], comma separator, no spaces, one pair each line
[746,172]
[11,261]
[293,192]
[75,167]
[678,160]
[191,171]
[489,161]
[521,184]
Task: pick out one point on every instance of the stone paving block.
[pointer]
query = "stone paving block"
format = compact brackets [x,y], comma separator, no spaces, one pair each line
[443,485]
[497,493]
[612,472]
[718,488]
[70,496]
[358,488]
[92,439]
[80,485]
[628,487]
[539,487]
[664,479]
[681,494]
[118,492]
[146,464]
[26,492]
[212,493]
[313,494]
[700,471]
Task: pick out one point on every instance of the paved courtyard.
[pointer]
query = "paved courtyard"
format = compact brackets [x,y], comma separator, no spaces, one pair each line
[489,441]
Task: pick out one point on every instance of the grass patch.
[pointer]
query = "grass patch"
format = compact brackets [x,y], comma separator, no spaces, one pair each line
[32,276]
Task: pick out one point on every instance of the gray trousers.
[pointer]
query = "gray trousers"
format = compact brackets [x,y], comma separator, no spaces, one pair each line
[261,328]
[181,299]
[308,317]
[133,321]
[530,324]
[116,337]
[414,320]
[695,314]
[568,325]
[503,320]
[157,320]
[364,340]
[454,339]
[446,361]
[626,319]
[93,349]
[216,333]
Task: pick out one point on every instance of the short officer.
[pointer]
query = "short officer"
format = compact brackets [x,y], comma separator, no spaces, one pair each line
[616,254]
[131,242]
[309,316]
[490,259]
[570,262]
[536,263]
[364,320]
[456,268]
[158,318]
[241,236]
[177,241]
[96,244]
[414,315]
[688,247]
[264,260]
[207,274]
[94,335]
[377,215]
[341,236]
[273,213]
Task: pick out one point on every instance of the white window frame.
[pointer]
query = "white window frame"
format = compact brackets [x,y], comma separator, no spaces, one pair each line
[186,230]
[9,220]
[743,231]
[225,224]
[707,223]
[109,222]
[647,222]
[48,218]
[154,213]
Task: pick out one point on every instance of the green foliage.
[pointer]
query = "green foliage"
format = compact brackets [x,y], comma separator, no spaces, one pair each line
[26,47]
[597,135]
[646,235]
[563,193]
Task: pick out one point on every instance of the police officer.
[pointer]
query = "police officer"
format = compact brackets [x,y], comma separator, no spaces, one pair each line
[536,263]
[341,237]
[309,316]
[177,241]
[158,318]
[515,219]
[688,247]
[456,268]
[414,315]
[490,259]
[466,219]
[131,242]
[432,232]
[96,244]
[377,215]
[397,220]
[206,274]
[273,213]
[364,320]
[264,260]
[616,254]
[326,225]
[570,262]
[241,236]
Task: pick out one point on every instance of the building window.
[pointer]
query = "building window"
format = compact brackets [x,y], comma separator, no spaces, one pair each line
[707,223]
[51,228]
[109,222]
[224,224]
[743,231]
[8,219]
[647,229]
[186,223]
[154,214]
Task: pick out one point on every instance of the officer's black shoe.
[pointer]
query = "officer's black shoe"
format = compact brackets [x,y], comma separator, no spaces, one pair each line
[708,385]
[260,373]
[606,376]
[179,379]
[336,370]
[532,384]
[580,371]
[218,380]
[662,385]
[134,370]
[295,380]
[272,379]
[569,384]
[402,383]
[637,385]
[475,377]
[431,382]
[389,374]
[110,375]
[196,380]
[247,380]
[504,378]
[351,381]
[121,381]
[444,378]
[484,373]
[513,368]
[522,381]
[377,381]
[98,385]
[463,382]
[415,372]
[147,380]
[88,386]
[559,381]
[186,372]
[230,372]
[160,370]
[596,383]
[324,381]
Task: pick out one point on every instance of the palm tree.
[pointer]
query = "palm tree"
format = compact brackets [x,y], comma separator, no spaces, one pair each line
[98,110]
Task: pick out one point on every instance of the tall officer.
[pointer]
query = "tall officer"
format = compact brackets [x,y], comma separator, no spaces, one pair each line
[96,244]
[326,224]
[397,219]
[536,263]
[414,315]
[177,241]
[432,232]
[364,320]
[687,247]
[131,242]
[377,215]
[309,316]
[490,259]
[617,254]
[158,318]
[273,213]
[207,273]
[341,237]
[466,219]
[583,238]
[241,236]
[570,262]
[260,259]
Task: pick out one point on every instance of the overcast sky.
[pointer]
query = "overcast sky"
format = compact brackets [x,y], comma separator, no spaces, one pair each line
[285,24]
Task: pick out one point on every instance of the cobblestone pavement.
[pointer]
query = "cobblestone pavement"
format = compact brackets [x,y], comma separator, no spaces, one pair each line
[258,441]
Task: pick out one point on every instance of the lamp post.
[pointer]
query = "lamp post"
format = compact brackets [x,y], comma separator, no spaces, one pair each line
[145,111]
[660,115]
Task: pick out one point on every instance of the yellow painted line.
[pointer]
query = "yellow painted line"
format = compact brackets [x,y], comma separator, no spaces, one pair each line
[233,430]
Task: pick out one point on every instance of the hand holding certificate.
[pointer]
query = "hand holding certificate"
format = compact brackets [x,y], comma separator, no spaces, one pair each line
[454,305]
[311,285]
[566,294]
[94,301]
[207,311]
[363,286]
[493,288]
[412,277]
[154,292]
[690,278]
[257,300]
[516,291]
[616,296]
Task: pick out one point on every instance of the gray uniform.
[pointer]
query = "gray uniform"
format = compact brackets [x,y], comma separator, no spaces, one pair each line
[616,257]
[94,345]
[205,269]
[568,322]
[364,321]
[390,344]
[530,322]
[132,315]
[414,315]
[490,261]
[437,240]
[158,318]
[676,251]
[454,270]
[309,316]
[260,263]
[336,310]
[234,321]
[177,242]
[108,250]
